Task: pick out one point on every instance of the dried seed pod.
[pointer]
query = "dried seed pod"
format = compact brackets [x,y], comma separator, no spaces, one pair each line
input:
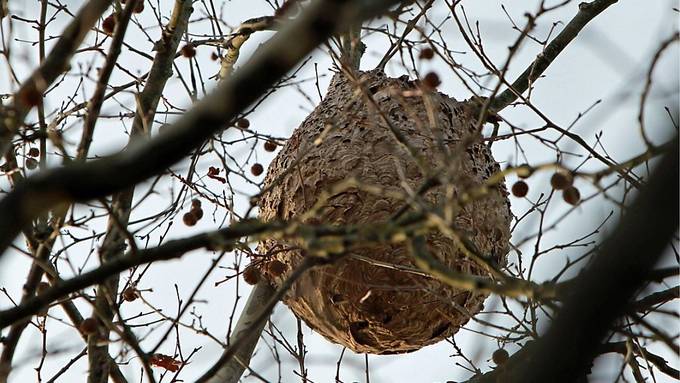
[250,275]
[109,24]
[520,189]
[139,7]
[256,169]
[189,219]
[188,51]
[31,163]
[276,267]
[340,300]
[195,203]
[270,146]
[130,294]
[197,212]
[426,54]
[31,97]
[500,356]
[561,180]
[571,195]
[89,326]
[431,80]
[243,123]
[34,152]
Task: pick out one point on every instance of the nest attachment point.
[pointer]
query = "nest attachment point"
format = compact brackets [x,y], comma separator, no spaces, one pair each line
[354,302]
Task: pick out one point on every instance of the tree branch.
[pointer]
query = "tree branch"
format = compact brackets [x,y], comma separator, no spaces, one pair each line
[170,250]
[32,89]
[318,236]
[612,279]
[98,356]
[253,321]
[587,12]
[97,99]
[659,362]
[81,182]
[249,328]
[239,37]
[113,245]
[602,292]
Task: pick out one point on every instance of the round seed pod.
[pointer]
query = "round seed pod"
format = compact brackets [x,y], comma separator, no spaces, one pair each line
[561,180]
[130,294]
[89,326]
[571,195]
[31,97]
[31,163]
[189,219]
[257,169]
[109,24]
[358,304]
[188,51]
[276,267]
[197,212]
[520,189]
[270,146]
[431,80]
[242,123]
[500,356]
[426,54]
[139,7]
[251,275]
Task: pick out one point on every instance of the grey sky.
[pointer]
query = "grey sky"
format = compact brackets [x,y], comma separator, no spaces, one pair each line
[607,61]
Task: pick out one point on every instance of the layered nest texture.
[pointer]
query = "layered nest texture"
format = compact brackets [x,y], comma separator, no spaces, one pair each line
[359,301]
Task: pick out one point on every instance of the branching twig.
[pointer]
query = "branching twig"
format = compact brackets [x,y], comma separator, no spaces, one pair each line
[80,182]
[239,37]
[53,66]
[587,12]
[252,322]
[249,328]
[604,289]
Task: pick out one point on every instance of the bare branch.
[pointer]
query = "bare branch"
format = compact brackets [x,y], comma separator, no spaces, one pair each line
[80,182]
[249,328]
[587,12]
[605,288]
[97,99]
[253,321]
[53,66]
[113,245]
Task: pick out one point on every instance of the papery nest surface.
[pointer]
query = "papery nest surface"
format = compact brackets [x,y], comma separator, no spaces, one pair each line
[356,302]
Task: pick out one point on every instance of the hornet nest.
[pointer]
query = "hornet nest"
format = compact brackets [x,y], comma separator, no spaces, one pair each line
[357,303]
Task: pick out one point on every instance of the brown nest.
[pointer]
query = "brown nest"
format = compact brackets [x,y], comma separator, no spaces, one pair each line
[354,302]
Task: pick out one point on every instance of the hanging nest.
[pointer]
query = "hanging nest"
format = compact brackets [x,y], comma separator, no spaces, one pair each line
[354,302]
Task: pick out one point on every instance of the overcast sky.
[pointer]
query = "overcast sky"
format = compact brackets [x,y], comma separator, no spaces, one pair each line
[607,62]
